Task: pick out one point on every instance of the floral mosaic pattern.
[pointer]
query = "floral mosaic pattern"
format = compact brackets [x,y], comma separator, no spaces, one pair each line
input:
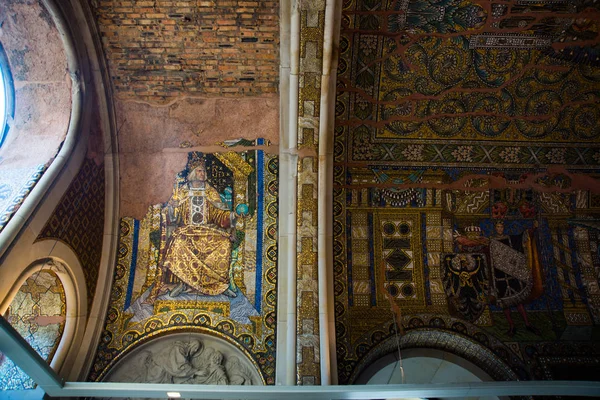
[556,156]
[463,153]
[413,152]
[510,154]
[38,313]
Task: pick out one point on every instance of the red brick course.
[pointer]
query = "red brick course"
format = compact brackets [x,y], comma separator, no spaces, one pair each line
[158,50]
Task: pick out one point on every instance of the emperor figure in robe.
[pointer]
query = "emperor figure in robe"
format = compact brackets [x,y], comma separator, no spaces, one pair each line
[517,272]
[198,251]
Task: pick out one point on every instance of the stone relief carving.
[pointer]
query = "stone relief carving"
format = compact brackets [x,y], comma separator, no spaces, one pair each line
[186,359]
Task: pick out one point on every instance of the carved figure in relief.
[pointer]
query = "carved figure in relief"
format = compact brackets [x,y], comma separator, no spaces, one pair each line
[238,373]
[209,369]
[170,364]
[187,362]
[198,251]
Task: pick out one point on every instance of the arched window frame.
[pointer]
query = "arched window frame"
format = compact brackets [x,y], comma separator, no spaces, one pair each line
[9,95]
[19,246]
[68,269]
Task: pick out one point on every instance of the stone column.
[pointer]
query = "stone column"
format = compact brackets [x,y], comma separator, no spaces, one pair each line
[288,167]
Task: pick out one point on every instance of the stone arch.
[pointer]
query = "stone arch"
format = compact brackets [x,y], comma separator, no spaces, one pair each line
[45,130]
[85,128]
[68,269]
[43,286]
[409,354]
[460,346]
[37,58]
[441,332]
[193,357]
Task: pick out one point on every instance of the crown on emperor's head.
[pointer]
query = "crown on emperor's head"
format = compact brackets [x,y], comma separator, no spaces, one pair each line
[195,159]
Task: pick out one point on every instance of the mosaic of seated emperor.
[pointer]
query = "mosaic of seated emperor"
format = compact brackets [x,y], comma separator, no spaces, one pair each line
[197,254]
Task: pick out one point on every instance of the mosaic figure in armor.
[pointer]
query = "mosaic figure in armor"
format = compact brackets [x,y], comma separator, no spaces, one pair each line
[516,272]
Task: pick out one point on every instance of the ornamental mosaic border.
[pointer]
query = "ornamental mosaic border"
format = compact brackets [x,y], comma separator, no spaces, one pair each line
[312,21]
[22,193]
[461,153]
[540,356]
[547,361]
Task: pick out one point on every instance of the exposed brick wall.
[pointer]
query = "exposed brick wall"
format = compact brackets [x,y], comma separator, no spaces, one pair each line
[161,49]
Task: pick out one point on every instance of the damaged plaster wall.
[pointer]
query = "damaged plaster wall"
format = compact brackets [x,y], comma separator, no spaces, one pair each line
[42,83]
[186,75]
[37,62]
[154,140]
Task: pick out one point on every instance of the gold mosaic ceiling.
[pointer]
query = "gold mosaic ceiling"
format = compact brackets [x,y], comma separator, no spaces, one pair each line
[519,71]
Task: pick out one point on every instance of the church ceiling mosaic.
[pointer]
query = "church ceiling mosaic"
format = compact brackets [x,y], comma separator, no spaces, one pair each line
[38,313]
[449,70]
[203,261]
[466,162]
[78,221]
[311,60]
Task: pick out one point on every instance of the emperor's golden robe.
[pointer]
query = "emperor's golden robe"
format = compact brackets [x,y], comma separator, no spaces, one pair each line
[199,250]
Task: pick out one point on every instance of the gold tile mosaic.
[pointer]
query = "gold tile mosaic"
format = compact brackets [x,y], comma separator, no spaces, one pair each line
[38,313]
[204,260]
[483,147]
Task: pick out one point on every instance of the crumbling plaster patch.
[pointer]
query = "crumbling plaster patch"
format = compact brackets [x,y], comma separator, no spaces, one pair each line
[149,134]
[42,84]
